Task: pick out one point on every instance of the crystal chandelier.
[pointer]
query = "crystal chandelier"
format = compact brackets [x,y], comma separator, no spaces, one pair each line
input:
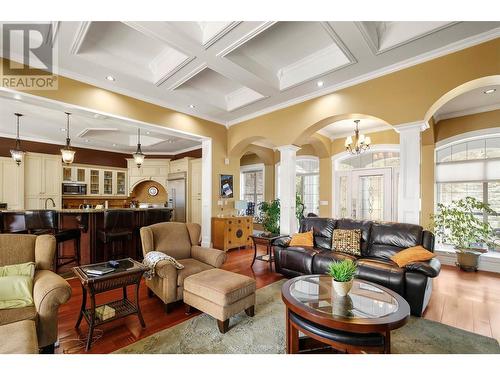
[138,155]
[68,155]
[357,144]
[17,153]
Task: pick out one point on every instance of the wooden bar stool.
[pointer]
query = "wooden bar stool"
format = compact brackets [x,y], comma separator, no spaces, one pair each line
[47,222]
[118,227]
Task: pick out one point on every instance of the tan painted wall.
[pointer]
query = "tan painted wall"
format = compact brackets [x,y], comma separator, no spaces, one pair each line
[398,98]
[459,125]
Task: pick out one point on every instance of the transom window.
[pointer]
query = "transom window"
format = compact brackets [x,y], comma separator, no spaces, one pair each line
[377,159]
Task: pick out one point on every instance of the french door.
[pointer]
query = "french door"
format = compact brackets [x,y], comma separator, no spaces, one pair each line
[365,194]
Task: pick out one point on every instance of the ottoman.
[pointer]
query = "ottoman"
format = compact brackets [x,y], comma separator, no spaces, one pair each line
[19,338]
[220,294]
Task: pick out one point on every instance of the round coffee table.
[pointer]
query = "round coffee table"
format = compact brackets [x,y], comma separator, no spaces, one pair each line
[360,322]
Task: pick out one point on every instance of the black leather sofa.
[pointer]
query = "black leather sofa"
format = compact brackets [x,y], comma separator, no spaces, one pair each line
[379,241]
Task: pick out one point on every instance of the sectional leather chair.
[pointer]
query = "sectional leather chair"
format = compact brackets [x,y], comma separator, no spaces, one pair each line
[379,241]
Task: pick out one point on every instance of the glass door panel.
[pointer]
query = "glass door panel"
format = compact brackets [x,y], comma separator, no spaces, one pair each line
[94,182]
[108,183]
[371,197]
[80,174]
[120,183]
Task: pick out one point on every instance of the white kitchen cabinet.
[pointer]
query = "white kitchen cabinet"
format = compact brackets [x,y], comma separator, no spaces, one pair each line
[42,180]
[179,165]
[11,184]
[152,169]
[74,174]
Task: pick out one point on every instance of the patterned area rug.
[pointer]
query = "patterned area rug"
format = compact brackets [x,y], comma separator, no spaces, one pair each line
[265,334]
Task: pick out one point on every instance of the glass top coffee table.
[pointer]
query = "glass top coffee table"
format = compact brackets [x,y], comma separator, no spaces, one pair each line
[359,322]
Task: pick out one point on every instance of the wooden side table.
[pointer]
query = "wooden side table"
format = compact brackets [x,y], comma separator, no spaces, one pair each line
[129,273]
[267,242]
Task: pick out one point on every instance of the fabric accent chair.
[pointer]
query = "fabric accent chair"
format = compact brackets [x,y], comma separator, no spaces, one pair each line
[180,241]
[49,289]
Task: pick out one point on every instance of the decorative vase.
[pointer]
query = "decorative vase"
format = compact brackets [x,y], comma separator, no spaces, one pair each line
[342,288]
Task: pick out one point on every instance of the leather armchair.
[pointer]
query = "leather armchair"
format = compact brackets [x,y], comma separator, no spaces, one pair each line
[180,241]
[49,289]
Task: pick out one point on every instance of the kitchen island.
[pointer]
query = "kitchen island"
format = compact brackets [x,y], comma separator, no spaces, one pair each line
[90,221]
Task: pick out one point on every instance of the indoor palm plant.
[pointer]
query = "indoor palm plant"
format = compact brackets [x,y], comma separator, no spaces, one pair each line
[458,224]
[342,274]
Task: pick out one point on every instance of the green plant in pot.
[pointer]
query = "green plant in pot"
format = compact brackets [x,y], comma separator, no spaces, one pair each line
[269,217]
[342,273]
[461,224]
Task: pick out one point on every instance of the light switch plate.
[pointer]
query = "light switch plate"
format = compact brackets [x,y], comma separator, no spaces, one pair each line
[323,203]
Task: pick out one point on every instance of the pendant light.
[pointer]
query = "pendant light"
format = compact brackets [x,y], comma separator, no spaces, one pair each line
[359,143]
[17,153]
[68,155]
[138,155]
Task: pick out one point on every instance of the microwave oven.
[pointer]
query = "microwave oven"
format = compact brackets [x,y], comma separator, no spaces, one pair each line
[74,189]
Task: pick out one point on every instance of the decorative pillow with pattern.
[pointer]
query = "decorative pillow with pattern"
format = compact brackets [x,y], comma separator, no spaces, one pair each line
[347,241]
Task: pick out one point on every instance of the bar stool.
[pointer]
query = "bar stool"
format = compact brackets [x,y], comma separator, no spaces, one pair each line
[156,215]
[47,222]
[118,226]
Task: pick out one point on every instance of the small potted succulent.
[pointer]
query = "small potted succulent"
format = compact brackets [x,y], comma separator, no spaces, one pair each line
[342,274]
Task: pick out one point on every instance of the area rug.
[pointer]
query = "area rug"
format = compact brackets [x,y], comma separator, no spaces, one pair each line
[265,334]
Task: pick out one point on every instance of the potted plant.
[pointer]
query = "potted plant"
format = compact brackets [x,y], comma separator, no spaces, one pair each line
[461,224]
[342,274]
[269,217]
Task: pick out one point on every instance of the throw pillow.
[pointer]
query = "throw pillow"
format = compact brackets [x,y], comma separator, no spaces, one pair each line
[16,291]
[347,241]
[412,254]
[23,269]
[302,239]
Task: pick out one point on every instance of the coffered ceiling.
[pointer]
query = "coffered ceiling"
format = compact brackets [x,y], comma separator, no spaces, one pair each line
[46,122]
[231,71]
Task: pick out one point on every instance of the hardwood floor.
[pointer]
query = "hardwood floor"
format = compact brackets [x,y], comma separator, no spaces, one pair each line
[470,301]
[467,300]
[123,332]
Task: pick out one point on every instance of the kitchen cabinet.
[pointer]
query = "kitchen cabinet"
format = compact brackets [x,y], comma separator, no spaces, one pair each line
[179,165]
[152,169]
[42,180]
[11,184]
[74,174]
[195,190]
[107,182]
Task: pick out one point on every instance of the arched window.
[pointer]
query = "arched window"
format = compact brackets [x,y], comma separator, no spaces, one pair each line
[470,167]
[307,182]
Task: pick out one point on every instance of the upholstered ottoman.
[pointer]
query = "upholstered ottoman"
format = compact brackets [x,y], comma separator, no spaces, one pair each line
[18,338]
[220,294]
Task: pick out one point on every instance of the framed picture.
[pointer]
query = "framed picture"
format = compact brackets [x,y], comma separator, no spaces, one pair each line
[226,185]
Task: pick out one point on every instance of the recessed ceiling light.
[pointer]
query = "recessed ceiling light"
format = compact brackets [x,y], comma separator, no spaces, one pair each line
[63,129]
[148,133]
[114,144]
[17,96]
[87,141]
[110,78]
[490,91]
[320,83]
[192,106]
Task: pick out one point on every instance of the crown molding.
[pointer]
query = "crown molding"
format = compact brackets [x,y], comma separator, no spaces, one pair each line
[420,125]
[453,47]
[466,112]
[81,34]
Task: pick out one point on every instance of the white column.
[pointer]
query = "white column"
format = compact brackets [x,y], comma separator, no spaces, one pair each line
[288,158]
[409,172]
[206,192]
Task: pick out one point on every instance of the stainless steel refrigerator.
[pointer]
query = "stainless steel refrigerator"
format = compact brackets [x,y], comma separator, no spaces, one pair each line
[176,183]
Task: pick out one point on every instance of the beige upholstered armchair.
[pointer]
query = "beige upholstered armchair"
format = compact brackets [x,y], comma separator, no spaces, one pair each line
[49,289]
[180,241]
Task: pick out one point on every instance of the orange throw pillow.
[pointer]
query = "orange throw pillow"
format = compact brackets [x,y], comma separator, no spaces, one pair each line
[412,254]
[302,239]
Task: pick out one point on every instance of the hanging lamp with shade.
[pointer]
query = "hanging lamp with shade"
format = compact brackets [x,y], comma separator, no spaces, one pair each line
[138,155]
[67,153]
[359,143]
[17,153]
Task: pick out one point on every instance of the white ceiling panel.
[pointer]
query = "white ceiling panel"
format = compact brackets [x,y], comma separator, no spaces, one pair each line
[231,71]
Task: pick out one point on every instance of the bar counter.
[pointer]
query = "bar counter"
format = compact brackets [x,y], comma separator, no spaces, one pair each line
[89,221]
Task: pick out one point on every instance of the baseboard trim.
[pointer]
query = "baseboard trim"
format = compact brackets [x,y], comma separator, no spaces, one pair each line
[489,262]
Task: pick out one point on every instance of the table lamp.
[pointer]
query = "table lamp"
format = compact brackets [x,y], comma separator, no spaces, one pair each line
[241,206]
